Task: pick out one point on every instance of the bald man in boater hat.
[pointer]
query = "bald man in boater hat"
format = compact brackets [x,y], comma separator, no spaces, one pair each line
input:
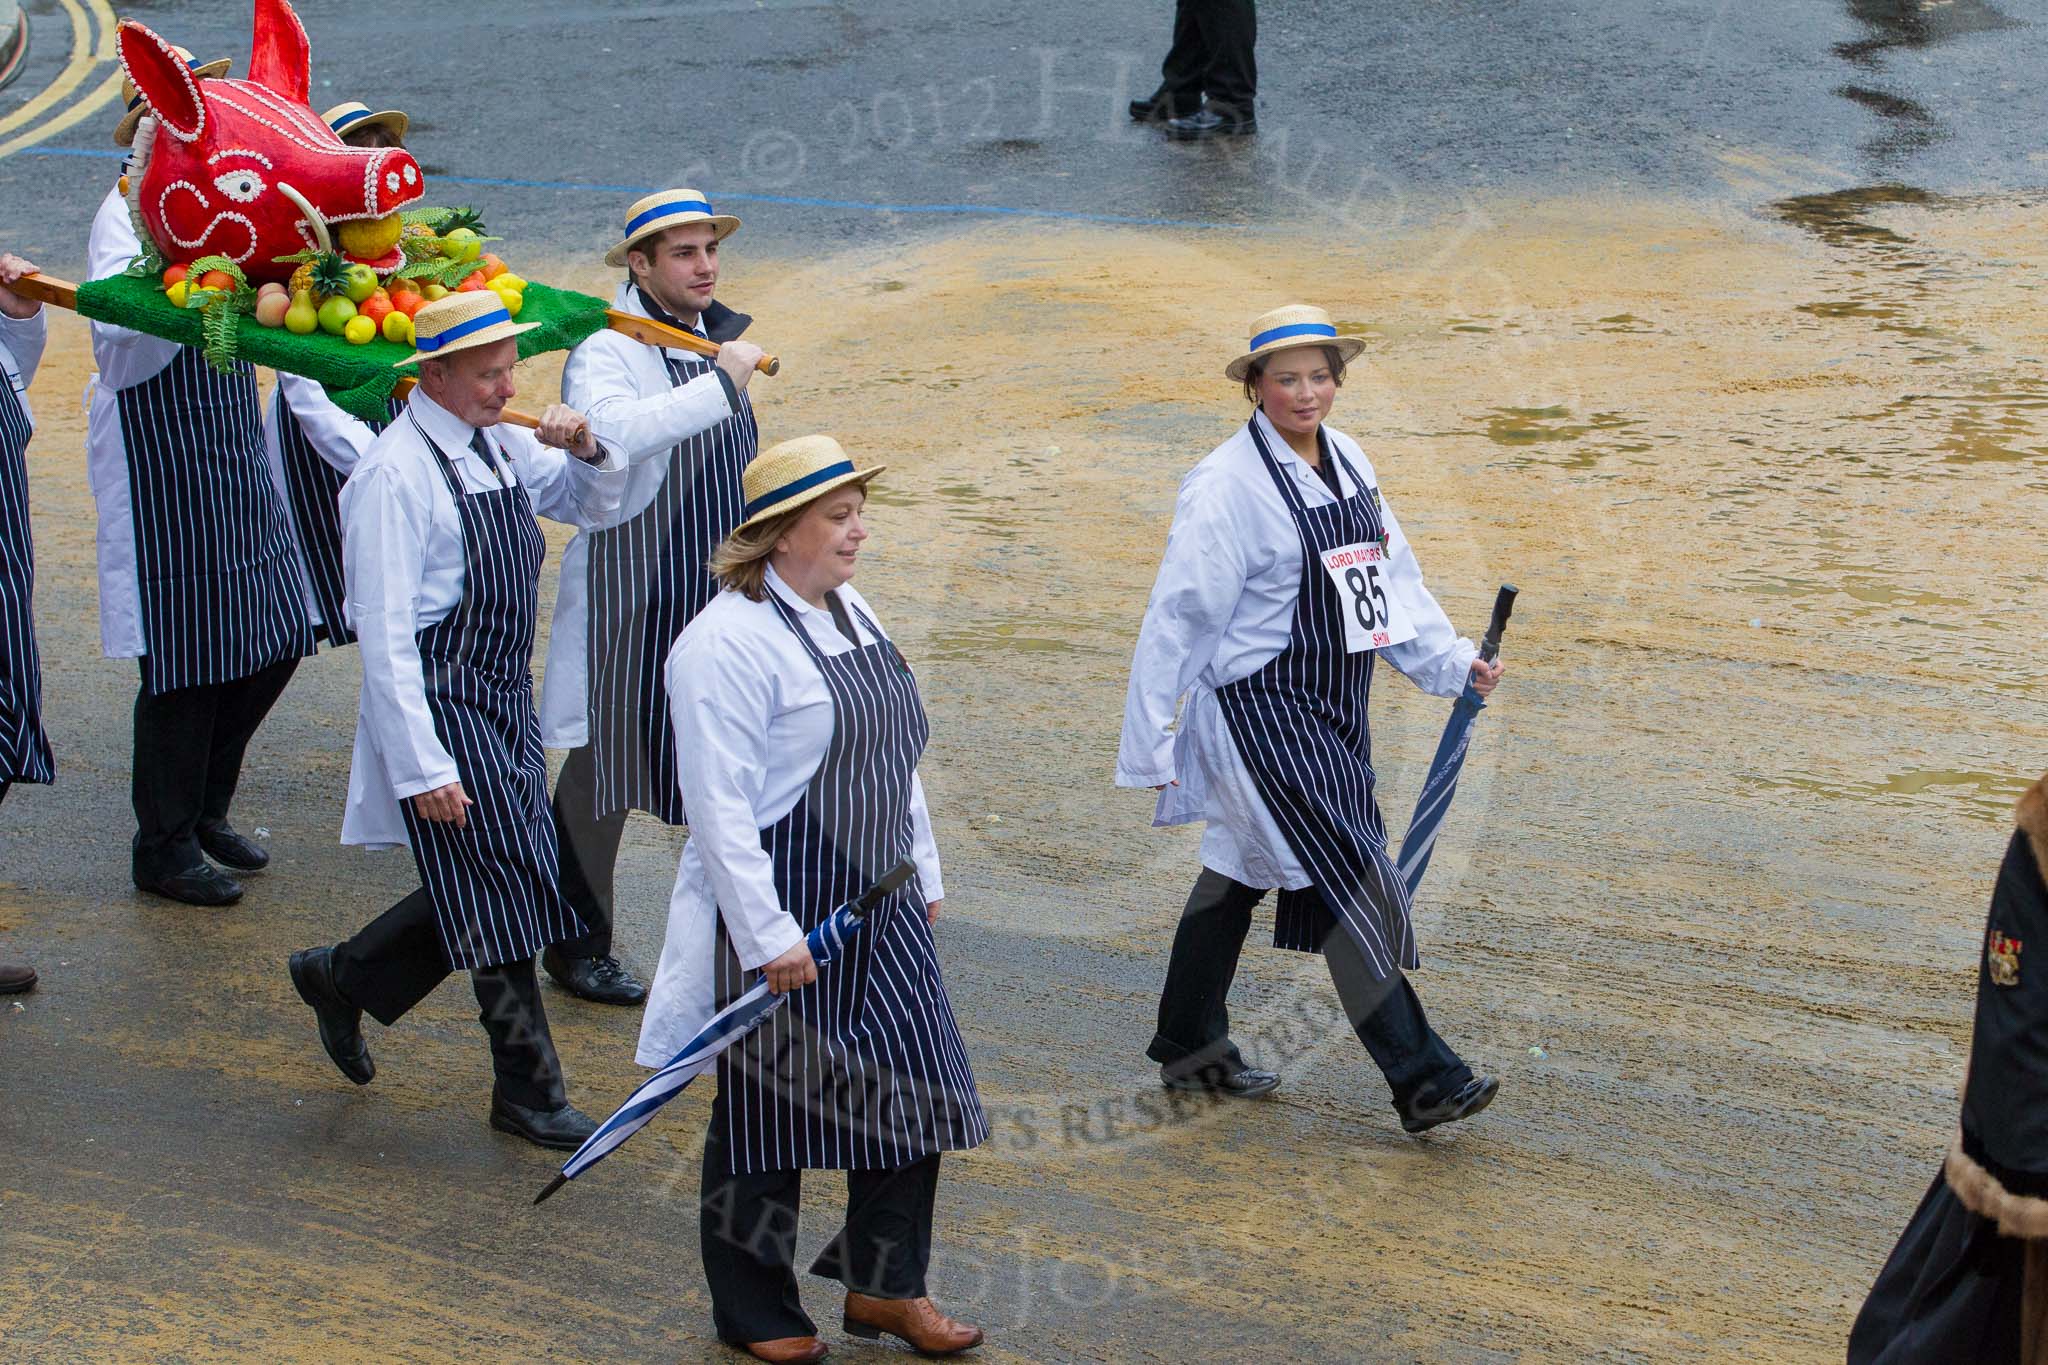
[685,425]
[313,445]
[442,558]
[170,440]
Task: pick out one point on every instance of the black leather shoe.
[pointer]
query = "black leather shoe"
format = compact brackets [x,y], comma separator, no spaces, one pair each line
[16,978]
[1471,1097]
[231,850]
[602,979]
[341,1031]
[201,885]
[1205,123]
[1157,109]
[563,1130]
[1220,1078]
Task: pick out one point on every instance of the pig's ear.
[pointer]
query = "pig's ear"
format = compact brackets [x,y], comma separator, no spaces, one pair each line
[281,60]
[166,84]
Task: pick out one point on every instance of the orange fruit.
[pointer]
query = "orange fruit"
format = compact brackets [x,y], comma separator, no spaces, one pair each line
[408,302]
[493,267]
[216,279]
[472,281]
[375,309]
[174,275]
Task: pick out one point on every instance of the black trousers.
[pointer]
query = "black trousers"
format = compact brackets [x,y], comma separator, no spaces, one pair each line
[1212,54]
[189,744]
[1952,1289]
[1194,1012]
[396,960]
[747,1234]
[590,854]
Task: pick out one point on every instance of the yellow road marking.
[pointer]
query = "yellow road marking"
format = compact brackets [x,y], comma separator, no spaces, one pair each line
[86,56]
[76,68]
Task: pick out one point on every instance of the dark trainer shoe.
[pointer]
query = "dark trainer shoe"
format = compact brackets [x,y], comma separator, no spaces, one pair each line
[563,1130]
[1471,1097]
[1206,123]
[231,850]
[16,977]
[341,1031]
[201,885]
[1219,1078]
[602,979]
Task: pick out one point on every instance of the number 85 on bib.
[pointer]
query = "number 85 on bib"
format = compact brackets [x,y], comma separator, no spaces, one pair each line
[1374,616]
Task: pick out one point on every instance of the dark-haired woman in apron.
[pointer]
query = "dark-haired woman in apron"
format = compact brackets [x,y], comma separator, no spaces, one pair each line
[799,728]
[1285,578]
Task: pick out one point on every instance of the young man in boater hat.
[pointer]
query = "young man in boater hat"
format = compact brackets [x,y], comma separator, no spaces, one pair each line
[170,440]
[442,558]
[686,426]
[313,445]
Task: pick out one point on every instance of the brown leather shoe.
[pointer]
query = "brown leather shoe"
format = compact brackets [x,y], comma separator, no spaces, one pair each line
[929,1332]
[788,1350]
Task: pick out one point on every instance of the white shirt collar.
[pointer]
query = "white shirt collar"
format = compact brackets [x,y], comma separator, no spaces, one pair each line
[442,427]
[1292,462]
[628,300]
[790,596]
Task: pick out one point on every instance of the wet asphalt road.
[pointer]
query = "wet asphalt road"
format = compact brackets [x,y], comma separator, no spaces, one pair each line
[907,117]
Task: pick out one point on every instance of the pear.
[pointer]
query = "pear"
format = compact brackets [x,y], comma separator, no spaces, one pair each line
[302,318]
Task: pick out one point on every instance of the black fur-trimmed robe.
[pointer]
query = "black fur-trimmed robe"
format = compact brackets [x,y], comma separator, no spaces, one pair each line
[1968,1281]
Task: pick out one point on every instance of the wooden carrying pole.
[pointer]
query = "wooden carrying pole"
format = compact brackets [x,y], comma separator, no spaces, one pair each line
[64,294]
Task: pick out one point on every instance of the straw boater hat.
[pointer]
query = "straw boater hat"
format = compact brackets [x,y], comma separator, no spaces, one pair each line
[669,208]
[1295,325]
[355,116]
[124,131]
[795,473]
[461,322]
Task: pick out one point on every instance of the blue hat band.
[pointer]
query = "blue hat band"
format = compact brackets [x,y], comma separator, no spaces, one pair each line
[462,329]
[1322,331]
[355,116]
[803,485]
[664,210]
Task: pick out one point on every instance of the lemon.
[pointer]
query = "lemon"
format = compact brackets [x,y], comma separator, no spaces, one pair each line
[359,331]
[178,293]
[398,328]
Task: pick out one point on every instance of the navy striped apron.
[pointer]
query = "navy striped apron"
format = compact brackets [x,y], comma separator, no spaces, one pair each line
[314,487]
[647,580]
[24,748]
[1300,726]
[492,882]
[866,1069]
[220,587]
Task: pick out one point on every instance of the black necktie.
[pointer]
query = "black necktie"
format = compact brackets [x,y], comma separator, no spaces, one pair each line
[840,618]
[483,450]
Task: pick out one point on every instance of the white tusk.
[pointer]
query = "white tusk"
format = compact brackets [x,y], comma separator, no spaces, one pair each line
[313,218]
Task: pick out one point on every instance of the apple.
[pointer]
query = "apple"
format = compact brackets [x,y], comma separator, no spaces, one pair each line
[362,282]
[335,315]
[271,308]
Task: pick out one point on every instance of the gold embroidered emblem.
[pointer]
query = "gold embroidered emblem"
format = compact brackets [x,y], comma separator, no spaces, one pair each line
[2002,957]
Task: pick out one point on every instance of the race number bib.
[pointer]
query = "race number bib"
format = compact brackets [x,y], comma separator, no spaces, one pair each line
[1373,615]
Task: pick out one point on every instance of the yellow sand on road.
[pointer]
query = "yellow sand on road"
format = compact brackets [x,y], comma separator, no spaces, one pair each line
[1772,486]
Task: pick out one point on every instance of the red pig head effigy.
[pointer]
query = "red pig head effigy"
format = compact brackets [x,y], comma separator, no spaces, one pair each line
[246,170]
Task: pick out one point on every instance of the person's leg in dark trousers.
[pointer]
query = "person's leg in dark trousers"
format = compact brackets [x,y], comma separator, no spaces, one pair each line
[886,1246]
[529,1073]
[1186,66]
[589,852]
[5,783]
[1230,35]
[1420,1067]
[747,1237]
[1194,1013]
[173,749]
[397,959]
[393,962]
[239,709]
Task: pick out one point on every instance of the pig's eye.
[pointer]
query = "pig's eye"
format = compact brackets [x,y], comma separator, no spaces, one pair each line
[240,186]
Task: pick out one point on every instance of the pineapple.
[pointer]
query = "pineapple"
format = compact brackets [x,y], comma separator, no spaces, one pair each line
[325,276]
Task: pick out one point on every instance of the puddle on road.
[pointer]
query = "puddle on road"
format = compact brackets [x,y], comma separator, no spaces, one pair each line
[1981,795]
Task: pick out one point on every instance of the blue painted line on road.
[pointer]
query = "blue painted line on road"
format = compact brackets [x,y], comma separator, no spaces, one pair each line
[790,200]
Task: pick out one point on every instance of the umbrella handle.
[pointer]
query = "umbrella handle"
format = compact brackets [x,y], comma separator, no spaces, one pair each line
[1489,648]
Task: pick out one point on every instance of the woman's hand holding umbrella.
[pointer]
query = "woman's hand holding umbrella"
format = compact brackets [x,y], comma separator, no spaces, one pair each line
[794,969]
